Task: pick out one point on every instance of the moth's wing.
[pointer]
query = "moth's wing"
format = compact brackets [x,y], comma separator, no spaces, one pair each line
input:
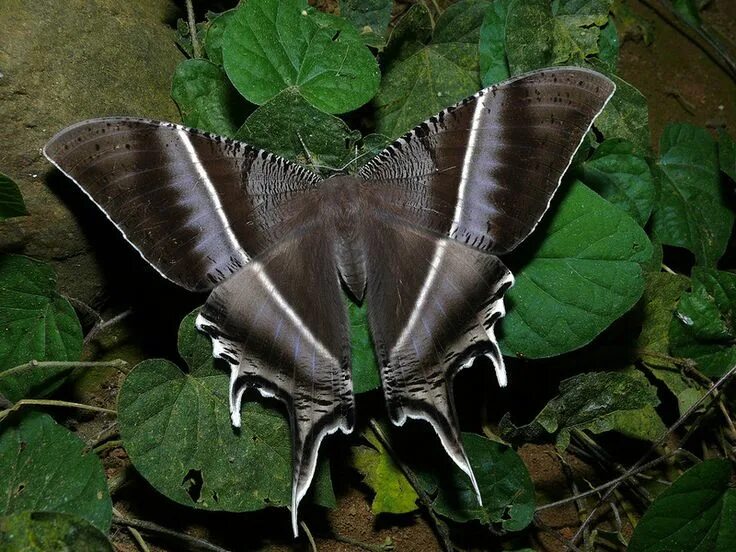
[432,304]
[197,207]
[282,326]
[483,172]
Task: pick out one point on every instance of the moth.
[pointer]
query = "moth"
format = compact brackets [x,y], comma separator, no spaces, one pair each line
[416,234]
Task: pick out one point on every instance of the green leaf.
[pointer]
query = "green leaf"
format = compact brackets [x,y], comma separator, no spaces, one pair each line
[45,531]
[579,272]
[205,97]
[704,328]
[494,66]
[658,303]
[434,76]
[44,467]
[36,323]
[688,10]
[692,212]
[622,177]
[288,125]
[11,202]
[727,155]
[370,17]
[597,402]
[176,429]
[411,33]
[695,514]
[626,115]
[272,45]
[540,33]
[394,494]
[608,45]
[215,32]
[505,486]
[365,366]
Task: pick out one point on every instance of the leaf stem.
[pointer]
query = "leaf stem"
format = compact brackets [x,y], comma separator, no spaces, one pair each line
[155,528]
[49,402]
[440,527]
[196,48]
[118,364]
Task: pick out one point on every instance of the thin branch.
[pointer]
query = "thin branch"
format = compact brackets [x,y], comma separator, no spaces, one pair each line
[50,402]
[193,542]
[102,325]
[659,442]
[310,538]
[605,486]
[705,40]
[118,364]
[196,48]
[440,528]
[134,533]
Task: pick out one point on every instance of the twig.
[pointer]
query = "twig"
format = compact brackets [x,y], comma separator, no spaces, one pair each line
[605,486]
[196,48]
[703,39]
[118,364]
[49,402]
[310,538]
[200,544]
[440,528]
[134,533]
[104,324]
[659,442]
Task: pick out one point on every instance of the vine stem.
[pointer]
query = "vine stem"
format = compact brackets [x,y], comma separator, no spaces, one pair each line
[440,527]
[50,402]
[155,528]
[102,325]
[118,364]
[659,442]
[196,48]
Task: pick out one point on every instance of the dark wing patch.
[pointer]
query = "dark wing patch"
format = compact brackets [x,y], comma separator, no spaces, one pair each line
[197,207]
[483,172]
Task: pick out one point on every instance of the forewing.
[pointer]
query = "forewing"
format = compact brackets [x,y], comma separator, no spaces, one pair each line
[282,326]
[196,206]
[483,172]
[432,304]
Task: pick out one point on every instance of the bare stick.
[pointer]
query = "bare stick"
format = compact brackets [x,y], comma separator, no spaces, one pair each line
[659,442]
[118,364]
[104,324]
[196,49]
[194,542]
[440,528]
[49,402]
[554,534]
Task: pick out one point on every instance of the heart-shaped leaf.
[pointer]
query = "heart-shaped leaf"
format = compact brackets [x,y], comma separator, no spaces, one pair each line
[44,467]
[622,177]
[11,202]
[704,328]
[45,531]
[434,76]
[36,323]
[579,271]
[272,45]
[494,65]
[598,402]
[696,513]
[504,482]
[692,211]
[291,127]
[176,429]
[205,97]
[215,33]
